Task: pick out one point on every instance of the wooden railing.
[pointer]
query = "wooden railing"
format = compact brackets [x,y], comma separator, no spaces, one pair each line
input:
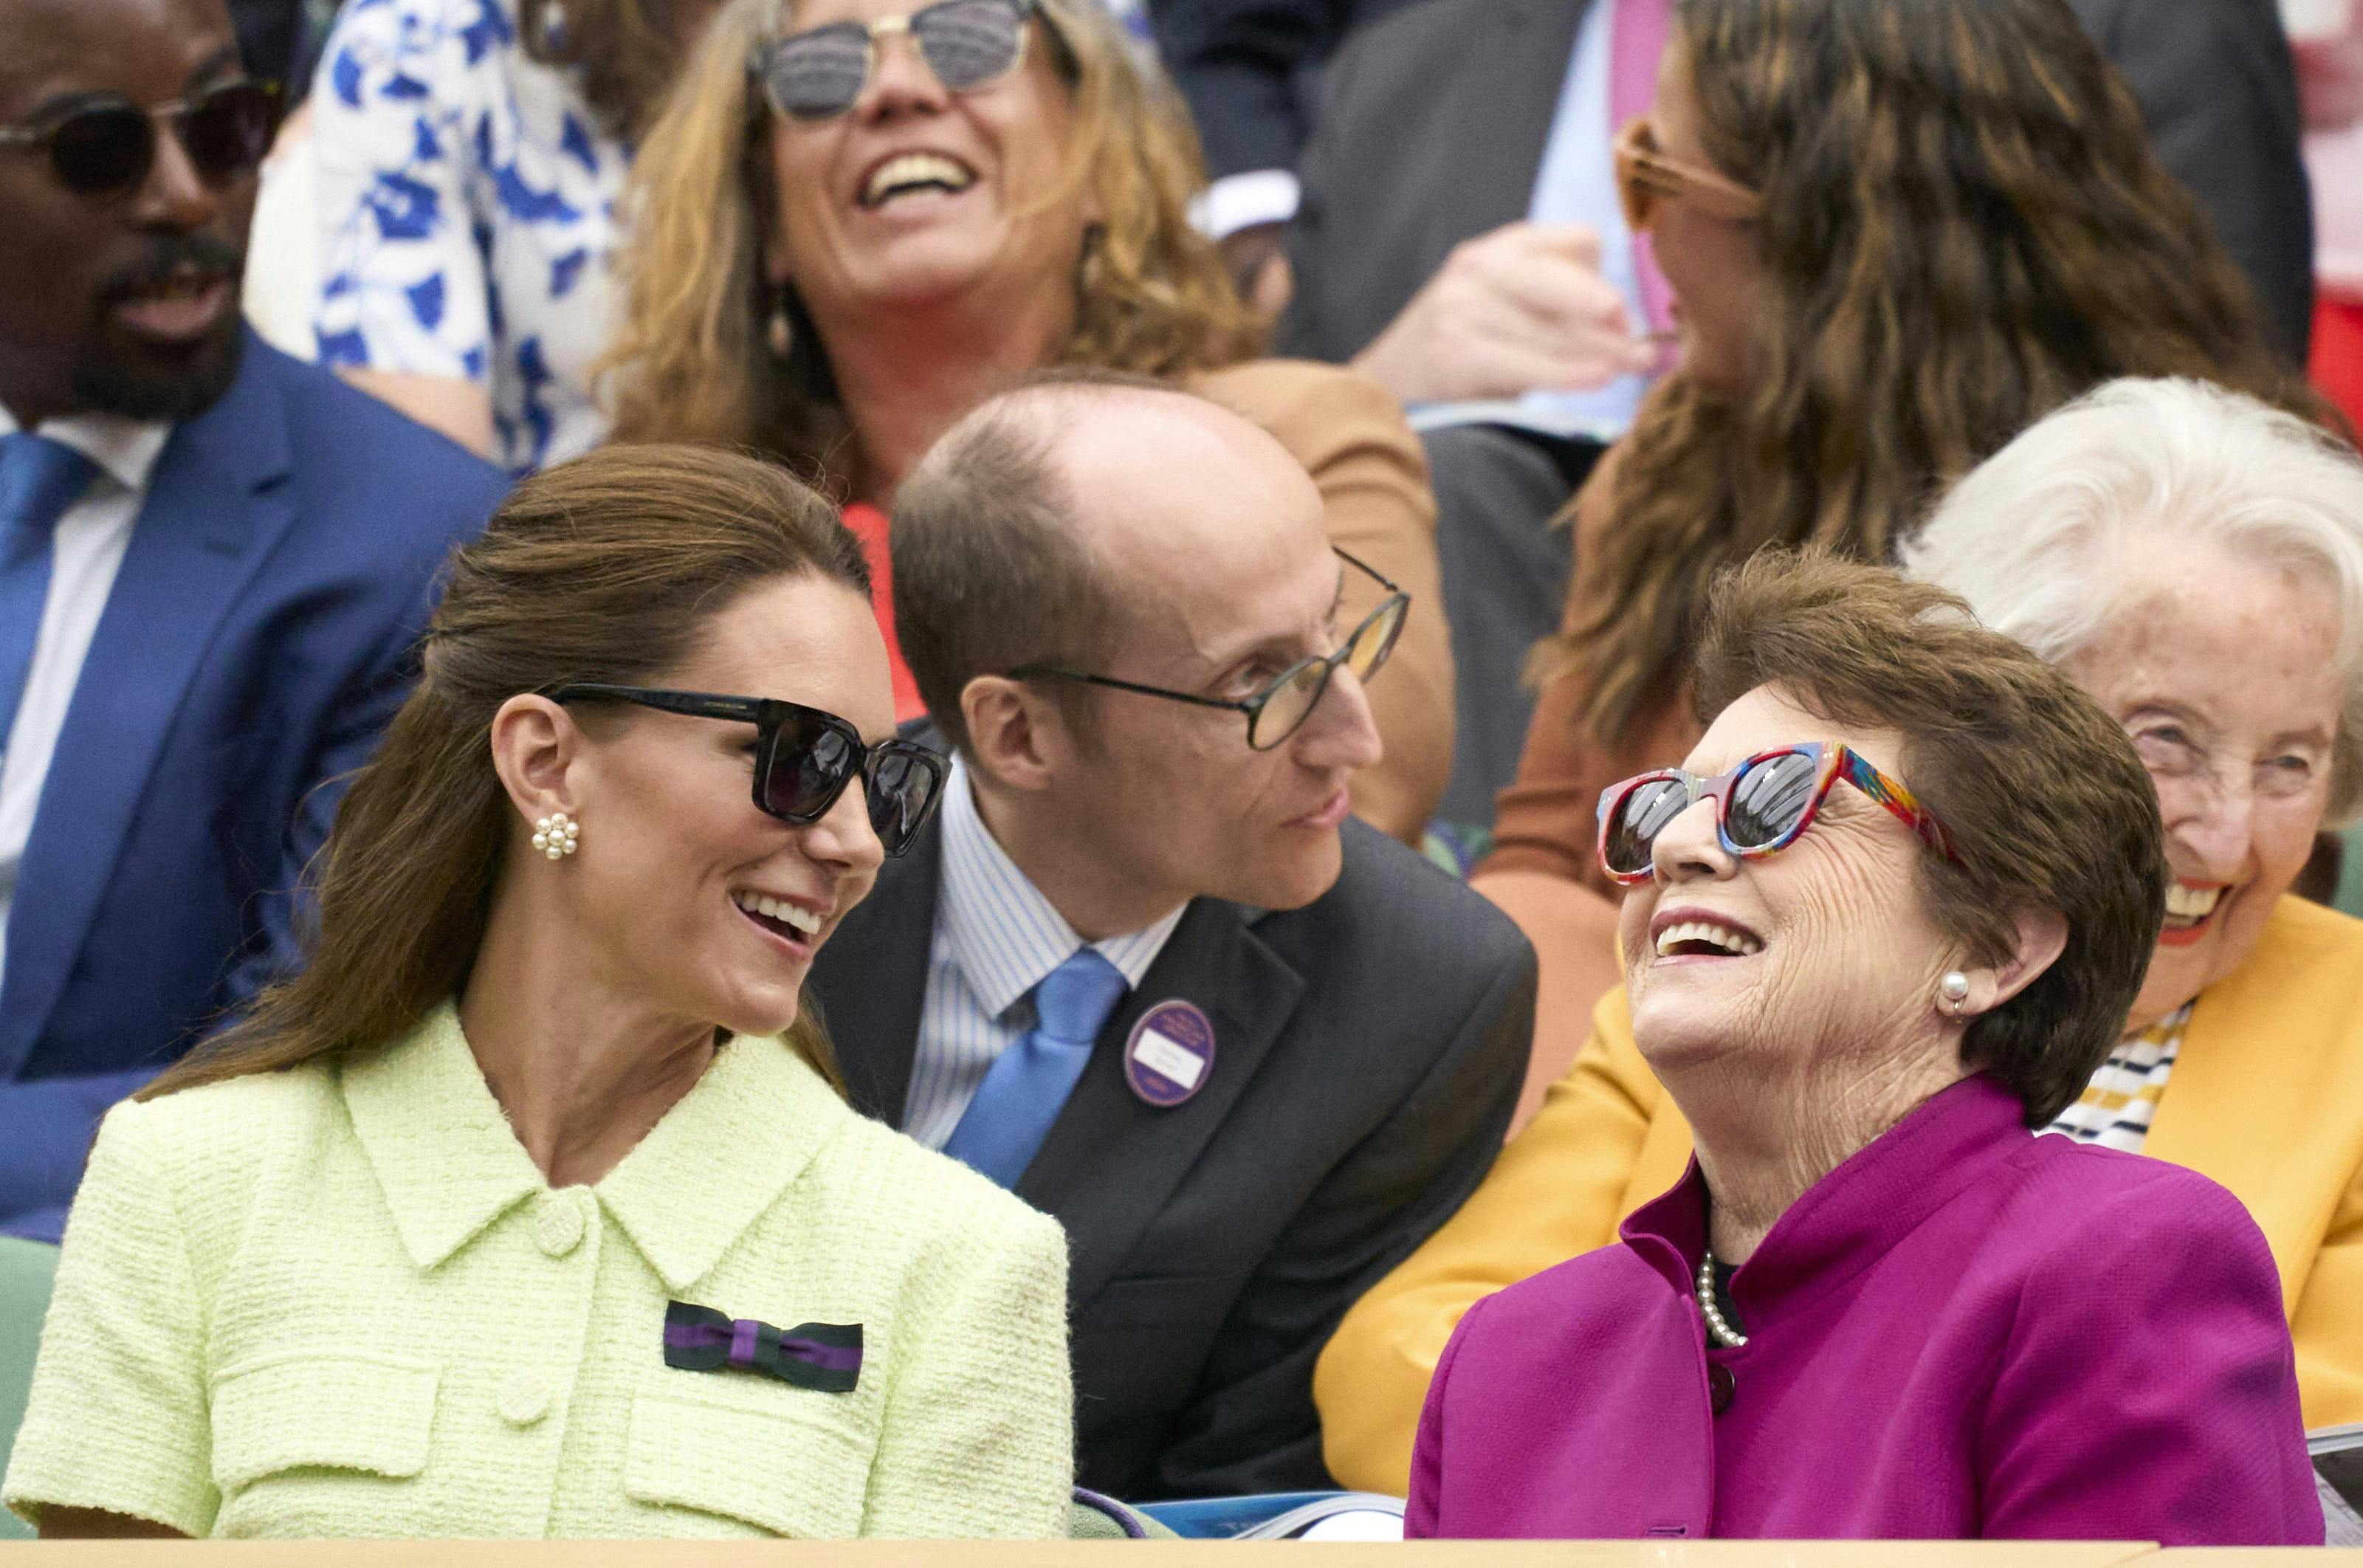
[1143,1554]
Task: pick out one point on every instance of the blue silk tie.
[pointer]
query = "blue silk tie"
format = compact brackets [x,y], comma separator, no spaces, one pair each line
[1029,1084]
[40,478]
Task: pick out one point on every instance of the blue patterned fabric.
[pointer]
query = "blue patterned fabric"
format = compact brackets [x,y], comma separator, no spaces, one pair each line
[467,204]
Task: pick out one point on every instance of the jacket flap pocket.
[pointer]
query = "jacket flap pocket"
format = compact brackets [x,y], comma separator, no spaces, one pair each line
[368,1413]
[796,1471]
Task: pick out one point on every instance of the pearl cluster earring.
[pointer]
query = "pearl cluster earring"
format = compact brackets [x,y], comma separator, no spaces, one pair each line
[555,835]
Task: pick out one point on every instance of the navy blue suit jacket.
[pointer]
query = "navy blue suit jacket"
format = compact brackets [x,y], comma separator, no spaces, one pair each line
[259,636]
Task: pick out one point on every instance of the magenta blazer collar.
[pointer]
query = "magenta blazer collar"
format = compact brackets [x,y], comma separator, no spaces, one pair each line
[1964,1331]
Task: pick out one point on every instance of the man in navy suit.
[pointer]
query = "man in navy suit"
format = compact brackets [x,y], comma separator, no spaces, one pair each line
[1142,968]
[213,564]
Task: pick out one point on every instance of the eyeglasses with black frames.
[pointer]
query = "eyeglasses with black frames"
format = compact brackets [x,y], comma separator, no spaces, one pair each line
[1280,709]
[804,757]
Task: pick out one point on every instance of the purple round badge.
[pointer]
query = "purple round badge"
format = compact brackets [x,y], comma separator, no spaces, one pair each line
[1170,1054]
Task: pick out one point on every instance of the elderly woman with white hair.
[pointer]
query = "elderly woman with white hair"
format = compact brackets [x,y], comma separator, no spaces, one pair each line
[2195,560]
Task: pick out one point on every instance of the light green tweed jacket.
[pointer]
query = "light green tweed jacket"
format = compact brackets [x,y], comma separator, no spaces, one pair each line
[340,1301]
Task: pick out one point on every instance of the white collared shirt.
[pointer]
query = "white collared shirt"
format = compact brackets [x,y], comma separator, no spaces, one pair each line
[86,552]
[996,937]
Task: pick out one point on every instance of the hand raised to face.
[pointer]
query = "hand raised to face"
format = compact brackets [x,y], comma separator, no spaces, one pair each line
[1522,308]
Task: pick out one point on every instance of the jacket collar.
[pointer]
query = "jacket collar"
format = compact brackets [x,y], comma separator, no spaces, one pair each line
[449,1166]
[1849,1218]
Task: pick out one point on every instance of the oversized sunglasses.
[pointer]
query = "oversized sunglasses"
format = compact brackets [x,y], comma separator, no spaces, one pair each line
[1645,176]
[106,145]
[805,758]
[819,74]
[1764,804]
[1280,709]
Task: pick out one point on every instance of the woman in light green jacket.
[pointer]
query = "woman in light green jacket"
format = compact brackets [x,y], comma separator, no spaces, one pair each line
[531,1208]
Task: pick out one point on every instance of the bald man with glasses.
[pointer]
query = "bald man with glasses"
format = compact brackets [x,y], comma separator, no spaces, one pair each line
[1145,969]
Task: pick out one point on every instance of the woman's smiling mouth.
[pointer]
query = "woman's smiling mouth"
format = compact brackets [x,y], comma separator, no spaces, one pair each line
[792,925]
[2190,909]
[1680,934]
[909,174]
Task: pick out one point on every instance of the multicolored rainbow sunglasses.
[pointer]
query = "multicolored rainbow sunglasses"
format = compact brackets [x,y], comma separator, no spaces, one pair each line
[1762,806]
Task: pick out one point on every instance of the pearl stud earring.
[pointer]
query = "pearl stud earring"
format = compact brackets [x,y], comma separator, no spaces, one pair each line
[1955,988]
[555,836]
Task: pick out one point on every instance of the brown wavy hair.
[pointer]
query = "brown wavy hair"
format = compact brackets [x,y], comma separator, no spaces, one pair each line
[1990,729]
[625,52]
[1965,227]
[605,569]
[690,362]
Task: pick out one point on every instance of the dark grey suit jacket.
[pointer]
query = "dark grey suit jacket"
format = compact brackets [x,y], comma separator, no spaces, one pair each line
[1369,1050]
[1433,121]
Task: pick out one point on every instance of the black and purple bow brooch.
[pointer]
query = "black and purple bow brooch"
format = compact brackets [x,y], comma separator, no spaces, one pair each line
[824,1357]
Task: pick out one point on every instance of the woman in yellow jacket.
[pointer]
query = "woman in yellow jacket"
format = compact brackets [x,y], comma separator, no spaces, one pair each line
[2196,561]
[532,1208]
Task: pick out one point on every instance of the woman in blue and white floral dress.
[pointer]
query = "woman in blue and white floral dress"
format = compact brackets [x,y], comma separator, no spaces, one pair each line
[468,154]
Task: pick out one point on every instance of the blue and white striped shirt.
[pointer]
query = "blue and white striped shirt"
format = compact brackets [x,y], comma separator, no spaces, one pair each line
[996,937]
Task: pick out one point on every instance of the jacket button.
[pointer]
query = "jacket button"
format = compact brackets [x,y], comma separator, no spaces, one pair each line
[1720,1387]
[557,1228]
[524,1399]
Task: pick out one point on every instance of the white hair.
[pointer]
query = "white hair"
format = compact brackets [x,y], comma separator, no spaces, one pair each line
[2035,537]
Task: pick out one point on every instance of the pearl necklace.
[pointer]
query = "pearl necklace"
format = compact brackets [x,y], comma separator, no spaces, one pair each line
[1718,1328]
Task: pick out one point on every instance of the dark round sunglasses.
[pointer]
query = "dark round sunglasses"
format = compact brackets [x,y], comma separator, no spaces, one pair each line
[1762,806]
[805,758]
[106,146]
[819,74]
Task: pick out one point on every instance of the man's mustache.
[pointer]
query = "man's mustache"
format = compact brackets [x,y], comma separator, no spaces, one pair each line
[169,255]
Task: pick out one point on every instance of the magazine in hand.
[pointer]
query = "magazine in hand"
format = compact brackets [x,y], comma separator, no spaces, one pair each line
[2337,1454]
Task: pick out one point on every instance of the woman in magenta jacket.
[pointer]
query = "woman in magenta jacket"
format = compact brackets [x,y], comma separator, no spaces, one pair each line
[1886,917]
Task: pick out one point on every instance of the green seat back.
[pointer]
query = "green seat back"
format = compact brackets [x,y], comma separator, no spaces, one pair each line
[2350,899]
[27,1268]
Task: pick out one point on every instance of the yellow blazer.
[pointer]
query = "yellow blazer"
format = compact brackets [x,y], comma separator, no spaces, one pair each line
[340,1300]
[2265,1098]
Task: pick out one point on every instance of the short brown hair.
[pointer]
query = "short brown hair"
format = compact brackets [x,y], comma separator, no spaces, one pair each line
[608,569]
[2044,798]
[991,574]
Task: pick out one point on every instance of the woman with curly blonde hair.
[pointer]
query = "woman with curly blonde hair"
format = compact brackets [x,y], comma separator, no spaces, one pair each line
[853,221]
